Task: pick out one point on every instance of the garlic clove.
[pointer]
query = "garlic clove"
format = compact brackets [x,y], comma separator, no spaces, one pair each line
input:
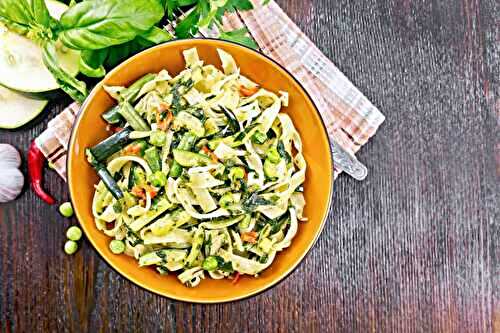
[11,183]
[9,157]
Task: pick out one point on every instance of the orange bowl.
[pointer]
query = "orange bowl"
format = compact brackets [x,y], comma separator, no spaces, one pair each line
[89,129]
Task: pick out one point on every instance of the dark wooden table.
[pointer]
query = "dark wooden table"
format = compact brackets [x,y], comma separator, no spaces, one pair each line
[412,248]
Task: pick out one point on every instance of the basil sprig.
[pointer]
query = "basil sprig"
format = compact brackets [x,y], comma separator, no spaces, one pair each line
[92,25]
[108,31]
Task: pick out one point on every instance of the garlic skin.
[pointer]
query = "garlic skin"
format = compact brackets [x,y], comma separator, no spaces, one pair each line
[11,178]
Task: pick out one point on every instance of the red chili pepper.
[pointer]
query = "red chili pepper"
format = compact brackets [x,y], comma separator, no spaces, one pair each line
[36,160]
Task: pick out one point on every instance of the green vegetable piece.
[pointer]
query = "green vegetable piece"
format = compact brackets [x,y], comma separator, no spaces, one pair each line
[158,179]
[273,155]
[152,156]
[245,223]
[270,169]
[117,246]
[171,221]
[226,200]
[186,143]
[139,176]
[198,238]
[210,263]
[99,24]
[112,116]
[190,159]
[133,118]
[162,206]
[111,145]
[158,138]
[130,94]
[74,233]
[259,137]
[193,124]
[236,173]
[66,209]
[70,247]
[211,126]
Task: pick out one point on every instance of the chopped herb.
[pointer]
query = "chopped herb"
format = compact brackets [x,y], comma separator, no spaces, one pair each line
[254,201]
[283,153]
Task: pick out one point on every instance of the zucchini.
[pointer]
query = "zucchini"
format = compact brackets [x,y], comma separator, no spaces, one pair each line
[131,93]
[187,142]
[105,176]
[189,159]
[111,145]
[16,109]
[113,116]
[198,238]
[170,222]
[270,169]
[21,64]
[161,208]
[161,256]
[228,140]
[193,124]
[133,118]
[152,156]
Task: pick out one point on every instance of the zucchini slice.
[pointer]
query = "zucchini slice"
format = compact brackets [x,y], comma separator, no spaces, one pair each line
[21,64]
[17,109]
[190,159]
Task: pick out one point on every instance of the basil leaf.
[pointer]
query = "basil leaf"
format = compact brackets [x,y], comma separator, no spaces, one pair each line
[233,5]
[188,26]
[91,62]
[118,53]
[22,15]
[156,35]
[239,36]
[95,24]
[70,85]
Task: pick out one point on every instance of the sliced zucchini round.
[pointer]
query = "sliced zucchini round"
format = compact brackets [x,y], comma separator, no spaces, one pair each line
[17,109]
[21,64]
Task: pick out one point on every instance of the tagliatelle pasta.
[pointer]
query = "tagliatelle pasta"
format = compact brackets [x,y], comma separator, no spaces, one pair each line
[204,177]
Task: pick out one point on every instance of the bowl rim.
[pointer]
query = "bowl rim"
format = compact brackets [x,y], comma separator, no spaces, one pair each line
[145,286]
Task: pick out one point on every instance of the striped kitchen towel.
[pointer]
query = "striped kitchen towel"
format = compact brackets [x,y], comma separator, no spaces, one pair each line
[351,119]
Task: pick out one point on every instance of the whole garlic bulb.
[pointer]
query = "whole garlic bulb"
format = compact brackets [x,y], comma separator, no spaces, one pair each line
[11,178]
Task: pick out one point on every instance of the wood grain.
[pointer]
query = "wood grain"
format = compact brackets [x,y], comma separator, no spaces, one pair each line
[414,248]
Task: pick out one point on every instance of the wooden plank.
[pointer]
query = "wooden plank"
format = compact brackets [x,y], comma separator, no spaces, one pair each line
[413,248]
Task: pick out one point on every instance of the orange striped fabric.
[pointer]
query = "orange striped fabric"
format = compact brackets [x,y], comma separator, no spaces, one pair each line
[351,119]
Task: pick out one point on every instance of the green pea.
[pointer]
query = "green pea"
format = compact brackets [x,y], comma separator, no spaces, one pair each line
[158,138]
[117,246]
[236,173]
[210,263]
[226,200]
[66,209]
[74,233]
[158,179]
[273,155]
[70,247]
[259,137]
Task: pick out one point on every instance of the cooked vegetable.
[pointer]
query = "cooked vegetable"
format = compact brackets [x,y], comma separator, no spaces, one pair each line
[117,246]
[74,233]
[66,209]
[36,161]
[111,145]
[11,178]
[113,116]
[221,205]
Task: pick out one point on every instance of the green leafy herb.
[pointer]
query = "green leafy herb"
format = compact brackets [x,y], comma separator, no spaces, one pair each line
[251,203]
[73,87]
[239,36]
[283,153]
[223,265]
[91,25]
